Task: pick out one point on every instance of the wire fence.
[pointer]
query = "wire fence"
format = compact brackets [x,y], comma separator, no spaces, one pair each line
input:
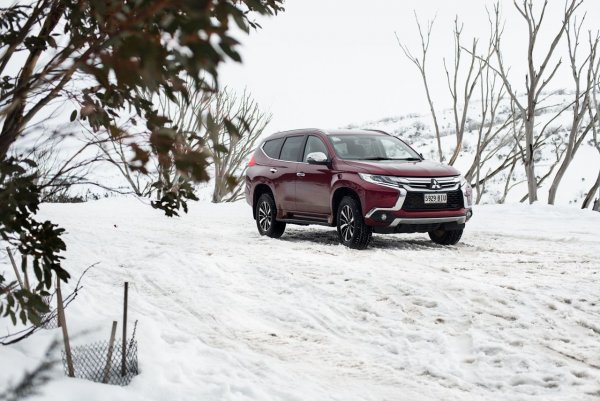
[49,321]
[98,363]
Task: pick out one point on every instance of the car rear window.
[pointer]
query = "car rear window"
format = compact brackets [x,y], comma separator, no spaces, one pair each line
[272,147]
[291,148]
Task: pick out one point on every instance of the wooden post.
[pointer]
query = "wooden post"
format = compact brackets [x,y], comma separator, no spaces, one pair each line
[124,345]
[111,345]
[14,265]
[24,270]
[63,324]
[59,323]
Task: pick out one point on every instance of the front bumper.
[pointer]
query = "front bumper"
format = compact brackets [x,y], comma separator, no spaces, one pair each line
[395,218]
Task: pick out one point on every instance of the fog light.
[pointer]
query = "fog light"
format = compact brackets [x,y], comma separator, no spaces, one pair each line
[384,217]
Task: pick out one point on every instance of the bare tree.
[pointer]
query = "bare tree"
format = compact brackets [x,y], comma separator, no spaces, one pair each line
[222,124]
[595,189]
[491,94]
[583,94]
[229,160]
[537,78]
[421,64]
[118,153]
[510,182]
[558,150]
[59,175]
[474,71]
[185,113]
[505,136]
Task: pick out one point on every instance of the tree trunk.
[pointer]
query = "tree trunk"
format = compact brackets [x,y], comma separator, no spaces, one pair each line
[591,193]
[529,162]
[558,178]
[14,123]
[219,188]
[435,122]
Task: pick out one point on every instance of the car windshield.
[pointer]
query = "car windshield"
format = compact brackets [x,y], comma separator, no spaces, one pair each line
[372,147]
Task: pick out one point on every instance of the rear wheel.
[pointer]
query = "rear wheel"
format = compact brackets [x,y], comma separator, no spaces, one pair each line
[351,227]
[266,211]
[444,237]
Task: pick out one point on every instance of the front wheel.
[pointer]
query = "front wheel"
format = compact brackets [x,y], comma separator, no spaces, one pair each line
[266,211]
[351,227]
[444,237]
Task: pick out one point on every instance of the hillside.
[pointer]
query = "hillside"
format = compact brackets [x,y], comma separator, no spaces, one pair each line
[417,130]
[227,315]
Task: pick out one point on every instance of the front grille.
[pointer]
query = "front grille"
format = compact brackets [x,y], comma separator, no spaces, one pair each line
[421,183]
[414,201]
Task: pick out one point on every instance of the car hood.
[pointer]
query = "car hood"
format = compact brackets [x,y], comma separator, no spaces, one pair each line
[423,168]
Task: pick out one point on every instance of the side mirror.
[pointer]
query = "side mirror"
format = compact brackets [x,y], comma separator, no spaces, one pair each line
[421,154]
[317,158]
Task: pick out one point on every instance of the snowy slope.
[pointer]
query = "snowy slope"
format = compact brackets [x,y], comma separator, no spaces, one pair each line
[418,131]
[511,313]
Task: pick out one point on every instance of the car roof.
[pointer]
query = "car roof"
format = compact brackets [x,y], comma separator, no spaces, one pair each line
[355,132]
[306,131]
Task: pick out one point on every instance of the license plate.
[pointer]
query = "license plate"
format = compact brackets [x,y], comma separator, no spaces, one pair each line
[436,198]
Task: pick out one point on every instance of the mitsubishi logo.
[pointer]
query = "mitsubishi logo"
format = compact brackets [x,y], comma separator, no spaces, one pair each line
[435,184]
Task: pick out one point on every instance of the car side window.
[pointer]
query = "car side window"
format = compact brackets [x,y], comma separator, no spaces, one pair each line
[272,147]
[314,144]
[291,148]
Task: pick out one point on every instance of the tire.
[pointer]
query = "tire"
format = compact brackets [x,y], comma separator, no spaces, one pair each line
[266,212]
[351,227]
[444,237]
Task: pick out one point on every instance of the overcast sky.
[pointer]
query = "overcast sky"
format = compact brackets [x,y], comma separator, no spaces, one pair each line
[326,63]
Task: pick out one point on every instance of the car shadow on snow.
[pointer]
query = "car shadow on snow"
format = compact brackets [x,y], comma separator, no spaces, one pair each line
[389,241]
[323,237]
[404,242]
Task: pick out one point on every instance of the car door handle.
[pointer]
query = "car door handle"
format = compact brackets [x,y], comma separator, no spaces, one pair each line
[300,174]
[273,170]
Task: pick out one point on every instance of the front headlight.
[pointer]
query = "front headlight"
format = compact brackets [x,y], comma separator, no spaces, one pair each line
[380,179]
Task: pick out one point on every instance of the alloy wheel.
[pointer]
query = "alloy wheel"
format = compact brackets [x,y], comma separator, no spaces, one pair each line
[347,223]
[264,216]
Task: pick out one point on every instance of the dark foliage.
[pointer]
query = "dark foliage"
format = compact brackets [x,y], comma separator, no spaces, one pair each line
[104,56]
[19,201]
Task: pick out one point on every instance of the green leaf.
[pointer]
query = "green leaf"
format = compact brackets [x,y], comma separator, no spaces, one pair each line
[51,42]
[73,115]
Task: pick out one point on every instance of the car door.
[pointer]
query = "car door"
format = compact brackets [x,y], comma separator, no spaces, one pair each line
[285,171]
[314,180]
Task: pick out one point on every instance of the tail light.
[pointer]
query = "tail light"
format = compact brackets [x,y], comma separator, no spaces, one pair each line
[252,162]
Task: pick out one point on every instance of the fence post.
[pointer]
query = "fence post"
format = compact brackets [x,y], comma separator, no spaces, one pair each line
[14,265]
[24,270]
[111,345]
[63,324]
[124,345]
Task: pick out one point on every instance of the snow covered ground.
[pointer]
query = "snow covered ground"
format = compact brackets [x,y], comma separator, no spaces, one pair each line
[511,313]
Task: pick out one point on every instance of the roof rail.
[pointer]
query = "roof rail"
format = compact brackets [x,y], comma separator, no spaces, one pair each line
[378,130]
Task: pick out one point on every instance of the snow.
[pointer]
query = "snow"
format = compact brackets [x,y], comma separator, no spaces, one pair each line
[512,312]
[418,131]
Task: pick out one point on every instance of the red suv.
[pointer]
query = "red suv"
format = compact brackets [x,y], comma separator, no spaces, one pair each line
[361,181]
